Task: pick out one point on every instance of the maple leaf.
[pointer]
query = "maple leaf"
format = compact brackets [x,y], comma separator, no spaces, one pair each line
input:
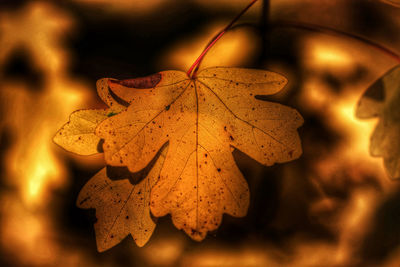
[382,100]
[122,206]
[201,118]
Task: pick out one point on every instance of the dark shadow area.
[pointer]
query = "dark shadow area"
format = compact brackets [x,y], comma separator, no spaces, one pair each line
[19,67]
[118,173]
[385,235]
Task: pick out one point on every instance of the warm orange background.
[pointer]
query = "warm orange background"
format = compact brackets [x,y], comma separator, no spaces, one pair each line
[332,207]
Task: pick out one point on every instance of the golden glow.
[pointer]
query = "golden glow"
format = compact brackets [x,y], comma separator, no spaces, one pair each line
[247,256]
[33,168]
[235,48]
[32,163]
[41,170]
[163,251]
[24,233]
[357,131]
[330,55]
[316,95]
[349,162]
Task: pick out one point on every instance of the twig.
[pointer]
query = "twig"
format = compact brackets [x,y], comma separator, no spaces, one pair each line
[197,63]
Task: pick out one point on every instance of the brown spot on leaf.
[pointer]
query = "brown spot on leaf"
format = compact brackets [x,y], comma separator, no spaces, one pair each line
[141,82]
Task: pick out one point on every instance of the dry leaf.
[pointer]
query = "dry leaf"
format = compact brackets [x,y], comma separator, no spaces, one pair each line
[202,119]
[382,100]
[77,135]
[122,206]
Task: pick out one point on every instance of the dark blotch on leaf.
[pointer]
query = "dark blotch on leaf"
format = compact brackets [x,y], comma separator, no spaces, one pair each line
[142,82]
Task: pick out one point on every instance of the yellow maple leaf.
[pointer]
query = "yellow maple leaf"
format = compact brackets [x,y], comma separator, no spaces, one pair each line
[201,118]
[122,206]
[77,135]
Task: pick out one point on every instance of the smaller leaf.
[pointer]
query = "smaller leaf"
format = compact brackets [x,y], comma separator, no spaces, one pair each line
[78,135]
[382,100]
[122,208]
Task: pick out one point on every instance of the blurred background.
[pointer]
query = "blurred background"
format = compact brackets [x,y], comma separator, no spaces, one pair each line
[334,206]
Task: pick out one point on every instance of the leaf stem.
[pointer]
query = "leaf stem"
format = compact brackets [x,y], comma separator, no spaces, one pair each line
[191,72]
[332,31]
